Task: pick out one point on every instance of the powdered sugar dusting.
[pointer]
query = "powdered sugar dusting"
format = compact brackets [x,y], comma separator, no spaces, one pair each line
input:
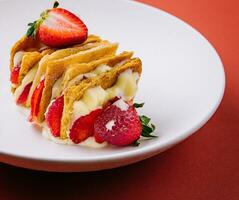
[121,105]
[110,125]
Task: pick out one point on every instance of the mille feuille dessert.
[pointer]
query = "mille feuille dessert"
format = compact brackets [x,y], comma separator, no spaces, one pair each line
[75,85]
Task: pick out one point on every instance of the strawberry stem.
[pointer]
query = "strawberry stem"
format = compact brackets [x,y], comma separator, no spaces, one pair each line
[56,4]
[138,105]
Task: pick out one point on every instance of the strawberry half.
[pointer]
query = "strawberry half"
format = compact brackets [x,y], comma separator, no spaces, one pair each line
[119,124]
[35,100]
[23,97]
[54,114]
[84,127]
[58,27]
[15,74]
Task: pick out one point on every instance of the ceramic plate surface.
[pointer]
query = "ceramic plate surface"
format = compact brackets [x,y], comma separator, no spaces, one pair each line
[182,82]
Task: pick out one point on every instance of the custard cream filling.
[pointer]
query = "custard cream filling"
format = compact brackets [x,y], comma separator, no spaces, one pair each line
[18,57]
[56,90]
[26,80]
[89,142]
[94,98]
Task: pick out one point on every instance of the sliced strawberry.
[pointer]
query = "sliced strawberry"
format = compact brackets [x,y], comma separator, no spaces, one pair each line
[58,27]
[54,114]
[15,74]
[84,127]
[119,124]
[35,100]
[23,97]
[62,28]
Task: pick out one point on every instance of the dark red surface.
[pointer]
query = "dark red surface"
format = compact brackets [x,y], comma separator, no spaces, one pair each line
[205,166]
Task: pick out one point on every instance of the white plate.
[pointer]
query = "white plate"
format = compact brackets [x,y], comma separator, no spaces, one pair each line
[182,84]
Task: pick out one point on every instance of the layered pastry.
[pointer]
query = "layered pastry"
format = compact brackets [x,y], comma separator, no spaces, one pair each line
[25,59]
[77,88]
[50,70]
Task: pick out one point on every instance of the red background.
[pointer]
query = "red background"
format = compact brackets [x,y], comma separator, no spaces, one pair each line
[205,166]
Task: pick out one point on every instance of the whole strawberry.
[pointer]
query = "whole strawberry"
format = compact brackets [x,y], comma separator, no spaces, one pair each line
[58,27]
[119,124]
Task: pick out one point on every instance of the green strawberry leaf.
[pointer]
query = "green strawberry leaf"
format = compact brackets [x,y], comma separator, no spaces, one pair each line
[144,119]
[34,26]
[31,29]
[138,105]
[135,143]
[147,127]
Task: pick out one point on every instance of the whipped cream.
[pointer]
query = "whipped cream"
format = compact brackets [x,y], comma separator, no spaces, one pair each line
[18,57]
[56,90]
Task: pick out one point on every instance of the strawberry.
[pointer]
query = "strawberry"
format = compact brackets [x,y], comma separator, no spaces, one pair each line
[84,127]
[15,73]
[58,27]
[54,114]
[119,124]
[23,97]
[35,100]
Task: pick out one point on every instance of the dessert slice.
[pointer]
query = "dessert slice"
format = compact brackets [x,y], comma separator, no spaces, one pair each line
[82,105]
[26,62]
[24,58]
[24,55]
[91,42]
[50,70]
[72,77]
